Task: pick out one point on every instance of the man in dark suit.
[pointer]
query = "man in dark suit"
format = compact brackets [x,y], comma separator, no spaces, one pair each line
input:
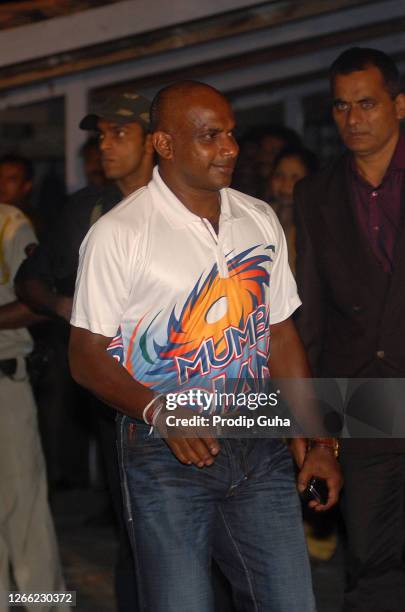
[350,272]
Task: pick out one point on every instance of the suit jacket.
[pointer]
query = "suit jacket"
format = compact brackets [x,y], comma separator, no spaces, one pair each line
[352,319]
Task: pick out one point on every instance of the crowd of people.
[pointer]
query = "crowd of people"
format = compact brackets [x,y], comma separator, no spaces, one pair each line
[178,238]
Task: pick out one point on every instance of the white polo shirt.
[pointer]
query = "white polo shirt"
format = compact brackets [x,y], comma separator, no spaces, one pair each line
[192,309]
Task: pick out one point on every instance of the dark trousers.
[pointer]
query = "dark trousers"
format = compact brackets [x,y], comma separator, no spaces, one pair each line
[374,513]
[125,584]
[63,416]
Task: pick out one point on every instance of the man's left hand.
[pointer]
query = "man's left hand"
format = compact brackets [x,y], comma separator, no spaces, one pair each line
[321,463]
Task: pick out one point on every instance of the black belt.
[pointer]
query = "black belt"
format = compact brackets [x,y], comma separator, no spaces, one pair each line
[8,366]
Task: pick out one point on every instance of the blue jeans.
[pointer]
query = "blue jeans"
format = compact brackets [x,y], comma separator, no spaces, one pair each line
[243,511]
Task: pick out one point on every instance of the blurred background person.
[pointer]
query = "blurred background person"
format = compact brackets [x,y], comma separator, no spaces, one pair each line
[27,538]
[16,183]
[273,139]
[290,166]
[258,149]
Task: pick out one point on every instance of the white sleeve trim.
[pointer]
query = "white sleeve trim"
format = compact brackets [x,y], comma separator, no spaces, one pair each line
[109,331]
[292,306]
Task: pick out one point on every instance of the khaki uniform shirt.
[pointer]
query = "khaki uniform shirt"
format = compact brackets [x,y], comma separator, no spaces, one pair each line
[16,236]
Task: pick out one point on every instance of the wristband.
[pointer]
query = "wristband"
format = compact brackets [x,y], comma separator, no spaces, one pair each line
[156,413]
[331,443]
[149,412]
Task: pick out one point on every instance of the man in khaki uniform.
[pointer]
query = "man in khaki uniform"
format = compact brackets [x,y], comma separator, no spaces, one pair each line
[27,537]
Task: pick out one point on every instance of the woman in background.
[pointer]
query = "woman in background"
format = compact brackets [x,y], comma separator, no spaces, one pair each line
[290,166]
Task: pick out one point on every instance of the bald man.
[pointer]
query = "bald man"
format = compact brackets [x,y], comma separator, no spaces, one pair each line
[174,285]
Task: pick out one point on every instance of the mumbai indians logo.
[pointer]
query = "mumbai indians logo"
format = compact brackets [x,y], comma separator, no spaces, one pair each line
[206,358]
[221,320]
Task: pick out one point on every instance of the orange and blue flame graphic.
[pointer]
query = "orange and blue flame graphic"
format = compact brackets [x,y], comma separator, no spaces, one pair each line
[223,322]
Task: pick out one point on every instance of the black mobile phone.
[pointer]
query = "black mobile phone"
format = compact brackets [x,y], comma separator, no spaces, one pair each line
[317,490]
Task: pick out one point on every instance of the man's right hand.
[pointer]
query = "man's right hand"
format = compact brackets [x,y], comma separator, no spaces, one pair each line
[190,445]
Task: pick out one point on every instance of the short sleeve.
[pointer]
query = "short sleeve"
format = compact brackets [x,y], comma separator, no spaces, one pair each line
[284,298]
[104,278]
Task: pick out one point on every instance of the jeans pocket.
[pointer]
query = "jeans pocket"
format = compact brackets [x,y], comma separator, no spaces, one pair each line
[138,437]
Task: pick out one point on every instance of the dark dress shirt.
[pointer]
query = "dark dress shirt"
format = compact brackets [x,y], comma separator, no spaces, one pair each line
[378,209]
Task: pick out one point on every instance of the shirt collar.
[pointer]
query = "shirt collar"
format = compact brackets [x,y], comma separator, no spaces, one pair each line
[176,213]
[397,161]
